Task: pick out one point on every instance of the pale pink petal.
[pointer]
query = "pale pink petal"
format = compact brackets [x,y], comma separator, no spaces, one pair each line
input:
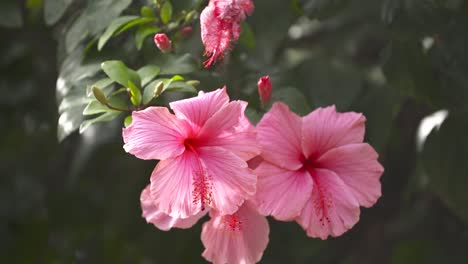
[324,129]
[231,180]
[224,120]
[230,129]
[248,6]
[279,136]
[155,134]
[358,168]
[281,193]
[331,210]
[153,215]
[240,238]
[172,186]
[198,110]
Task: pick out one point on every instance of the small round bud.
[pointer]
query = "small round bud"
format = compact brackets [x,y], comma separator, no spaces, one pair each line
[163,42]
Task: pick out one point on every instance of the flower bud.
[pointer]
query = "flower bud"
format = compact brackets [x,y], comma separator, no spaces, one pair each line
[264,89]
[186,31]
[163,42]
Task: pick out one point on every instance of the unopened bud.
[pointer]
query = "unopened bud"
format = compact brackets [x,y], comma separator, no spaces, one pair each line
[264,89]
[159,89]
[99,95]
[186,31]
[163,42]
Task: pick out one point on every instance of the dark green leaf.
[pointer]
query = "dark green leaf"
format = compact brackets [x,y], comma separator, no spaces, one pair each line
[166,12]
[148,73]
[97,16]
[247,37]
[113,27]
[54,10]
[10,14]
[407,68]
[119,72]
[444,159]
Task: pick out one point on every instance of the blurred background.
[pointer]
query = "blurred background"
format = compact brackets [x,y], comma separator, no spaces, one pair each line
[70,197]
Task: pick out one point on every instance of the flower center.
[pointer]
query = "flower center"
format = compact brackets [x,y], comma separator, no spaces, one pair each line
[233,222]
[202,190]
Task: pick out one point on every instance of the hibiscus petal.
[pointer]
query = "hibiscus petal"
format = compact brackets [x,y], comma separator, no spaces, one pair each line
[231,180]
[281,193]
[331,209]
[229,128]
[324,129]
[155,134]
[279,136]
[198,110]
[172,186]
[239,238]
[358,168]
[153,215]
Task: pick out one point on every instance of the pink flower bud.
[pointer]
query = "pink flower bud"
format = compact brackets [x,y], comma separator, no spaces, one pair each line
[163,42]
[186,31]
[264,89]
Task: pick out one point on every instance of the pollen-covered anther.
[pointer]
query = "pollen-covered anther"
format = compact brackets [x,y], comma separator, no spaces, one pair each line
[202,189]
[233,222]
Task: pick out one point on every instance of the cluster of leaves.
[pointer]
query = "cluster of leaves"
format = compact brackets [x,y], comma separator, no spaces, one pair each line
[396,61]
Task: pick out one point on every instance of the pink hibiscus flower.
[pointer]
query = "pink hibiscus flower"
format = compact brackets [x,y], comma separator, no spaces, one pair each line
[316,169]
[220,25]
[241,237]
[238,238]
[203,149]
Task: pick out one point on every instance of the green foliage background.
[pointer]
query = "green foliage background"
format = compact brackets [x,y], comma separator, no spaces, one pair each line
[67,197]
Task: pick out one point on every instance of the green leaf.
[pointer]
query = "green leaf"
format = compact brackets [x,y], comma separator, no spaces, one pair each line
[148,73]
[444,160]
[54,10]
[293,97]
[135,23]
[109,116]
[135,94]
[119,72]
[146,11]
[247,37]
[112,28]
[10,14]
[128,121]
[166,12]
[180,86]
[143,32]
